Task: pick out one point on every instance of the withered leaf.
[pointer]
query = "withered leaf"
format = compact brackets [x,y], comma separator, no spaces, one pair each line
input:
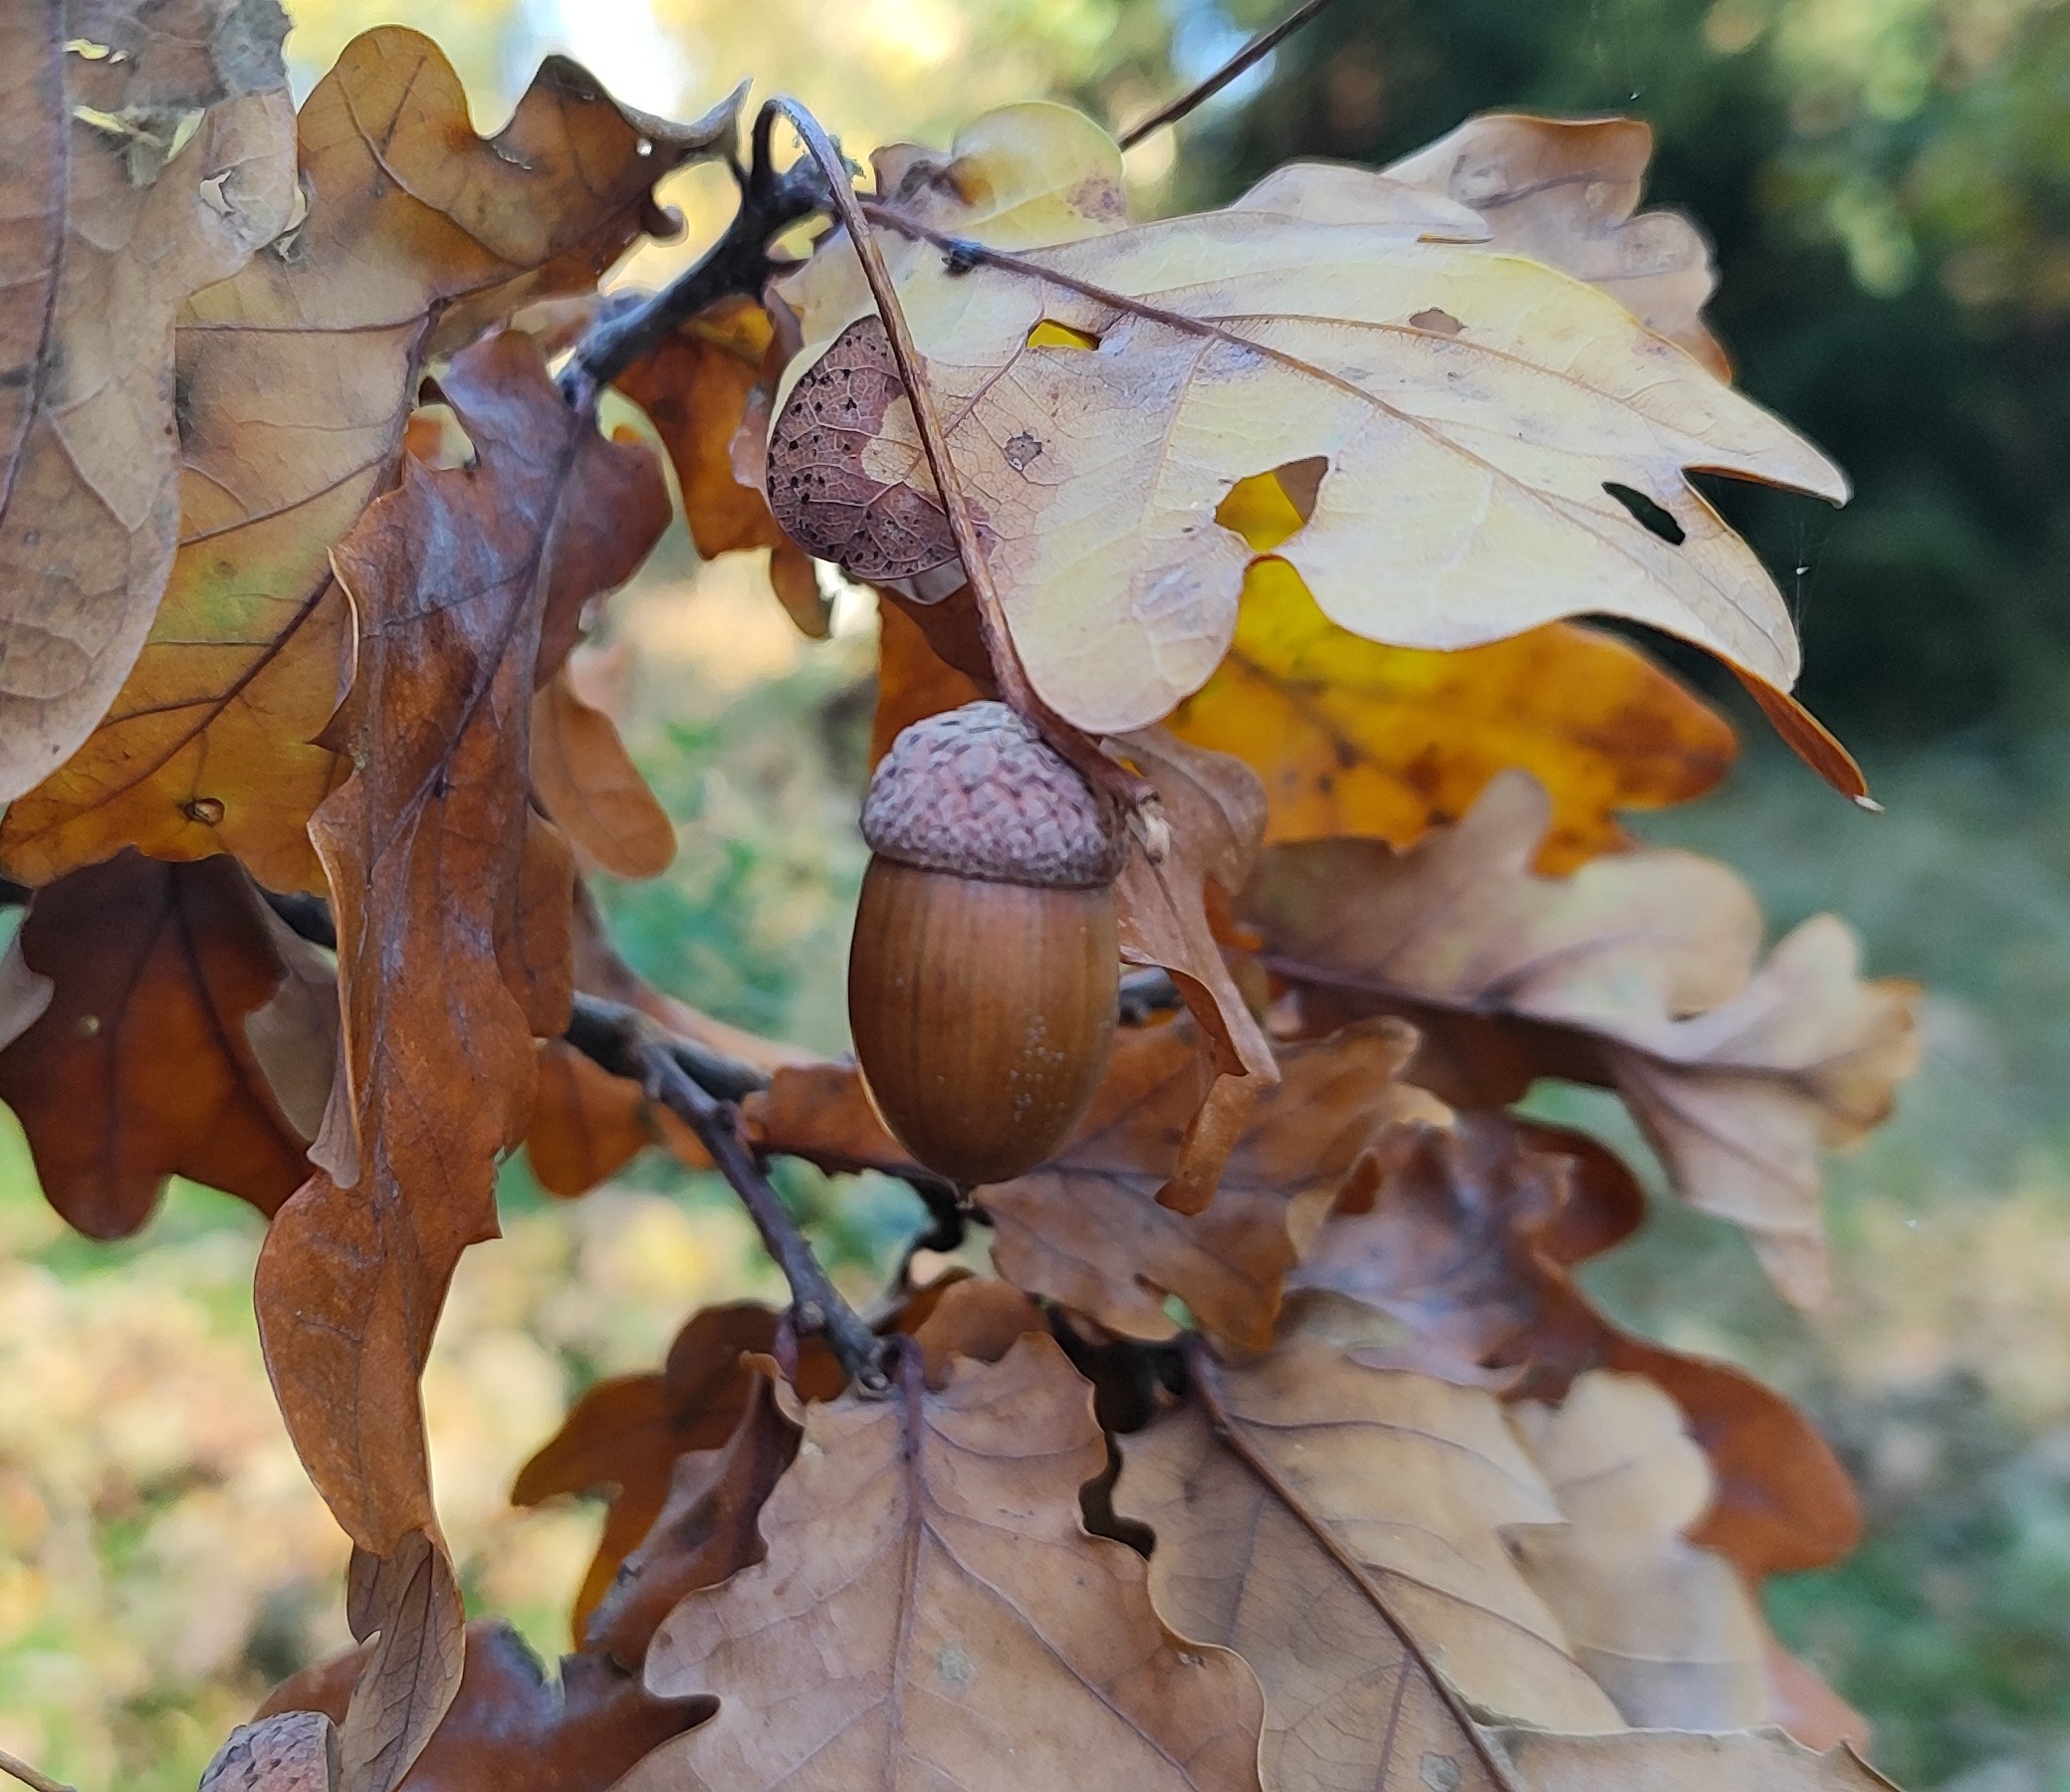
[1667,1630]
[110,233]
[296,379]
[1214,810]
[932,1612]
[913,681]
[697,387]
[1088,1229]
[140,1067]
[1467,1240]
[1101,396]
[1344,1540]
[290,1752]
[1638,973]
[509,1730]
[587,1125]
[586,782]
[1564,192]
[409,1672]
[452,901]
[1353,737]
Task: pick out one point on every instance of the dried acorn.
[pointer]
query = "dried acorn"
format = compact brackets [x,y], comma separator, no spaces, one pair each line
[984,973]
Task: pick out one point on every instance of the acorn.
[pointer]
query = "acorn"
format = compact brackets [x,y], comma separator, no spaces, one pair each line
[984,975]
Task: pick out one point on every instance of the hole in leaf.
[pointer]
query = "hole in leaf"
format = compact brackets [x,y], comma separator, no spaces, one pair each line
[1654,518]
[434,436]
[1268,508]
[1049,334]
[87,48]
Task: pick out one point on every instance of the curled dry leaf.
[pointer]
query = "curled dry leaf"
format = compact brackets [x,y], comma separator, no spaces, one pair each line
[1353,737]
[1506,445]
[586,782]
[290,1752]
[509,1729]
[1215,810]
[697,386]
[1667,1630]
[296,379]
[931,1610]
[1467,1241]
[1088,1229]
[453,921]
[1639,972]
[626,1434]
[139,1066]
[1564,192]
[110,233]
[1338,1526]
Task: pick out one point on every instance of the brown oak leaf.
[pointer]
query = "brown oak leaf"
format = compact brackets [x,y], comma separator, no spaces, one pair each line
[928,1579]
[509,1729]
[141,1066]
[1639,972]
[296,379]
[108,234]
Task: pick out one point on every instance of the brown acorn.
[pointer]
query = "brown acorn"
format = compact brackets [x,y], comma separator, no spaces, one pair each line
[984,974]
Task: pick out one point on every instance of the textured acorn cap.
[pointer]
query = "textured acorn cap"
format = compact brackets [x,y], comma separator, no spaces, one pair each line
[979,792]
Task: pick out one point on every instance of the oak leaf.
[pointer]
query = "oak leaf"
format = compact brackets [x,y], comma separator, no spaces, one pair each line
[1215,810]
[452,903]
[697,386]
[139,1066]
[1506,445]
[1338,1526]
[296,380]
[587,782]
[1564,192]
[587,1125]
[507,1729]
[110,233]
[1667,1630]
[932,1612]
[1350,737]
[1638,973]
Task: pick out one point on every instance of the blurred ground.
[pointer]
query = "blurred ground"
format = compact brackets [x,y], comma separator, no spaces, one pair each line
[161,1558]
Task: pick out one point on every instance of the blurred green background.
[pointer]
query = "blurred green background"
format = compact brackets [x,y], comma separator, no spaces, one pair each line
[1888,185]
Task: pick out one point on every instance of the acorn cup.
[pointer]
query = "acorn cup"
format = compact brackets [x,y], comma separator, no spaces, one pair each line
[984,975]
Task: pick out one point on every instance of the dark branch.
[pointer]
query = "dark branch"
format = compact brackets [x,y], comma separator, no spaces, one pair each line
[738,263]
[626,1043]
[21,1770]
[1258,48]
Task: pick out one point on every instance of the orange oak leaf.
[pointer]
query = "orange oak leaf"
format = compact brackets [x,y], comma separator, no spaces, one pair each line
[507,1729]
[928,1578]
[913,681]
[296,379]
[586,782]
[141,1066]
[1639,972]
[1350,737]
[697,387]
[452,900]
[1214,810]
[587,1125]
[110,231]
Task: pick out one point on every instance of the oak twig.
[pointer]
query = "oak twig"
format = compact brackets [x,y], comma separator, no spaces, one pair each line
[625,1042]
[738,263]
[1256,49]
[21,1770]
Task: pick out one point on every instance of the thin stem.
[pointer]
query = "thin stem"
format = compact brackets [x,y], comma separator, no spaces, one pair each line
[28,1775]
[1136,795]
[1204,1376]
[626,1043]
[1260,47]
